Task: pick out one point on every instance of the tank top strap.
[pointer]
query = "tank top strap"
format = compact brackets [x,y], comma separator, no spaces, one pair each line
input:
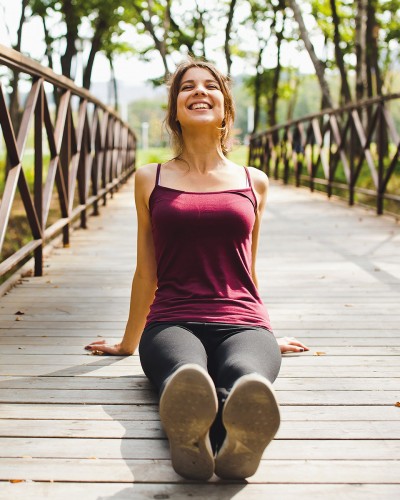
[248,176]
[158,174]
[251,186]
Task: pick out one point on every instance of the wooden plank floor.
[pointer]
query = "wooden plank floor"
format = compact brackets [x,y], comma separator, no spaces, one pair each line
[77,426]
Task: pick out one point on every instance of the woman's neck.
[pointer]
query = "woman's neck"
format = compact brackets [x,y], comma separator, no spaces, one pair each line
[203,152]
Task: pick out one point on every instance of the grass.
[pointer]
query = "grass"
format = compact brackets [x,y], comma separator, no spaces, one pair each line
[156,155]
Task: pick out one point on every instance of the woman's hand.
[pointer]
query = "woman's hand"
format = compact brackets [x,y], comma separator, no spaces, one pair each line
[290,344]
[101,346]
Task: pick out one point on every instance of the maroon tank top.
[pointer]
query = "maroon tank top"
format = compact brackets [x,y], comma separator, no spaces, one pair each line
[202,244]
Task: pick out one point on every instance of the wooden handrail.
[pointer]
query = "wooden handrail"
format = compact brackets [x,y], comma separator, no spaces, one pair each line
[347,139]
[91,150]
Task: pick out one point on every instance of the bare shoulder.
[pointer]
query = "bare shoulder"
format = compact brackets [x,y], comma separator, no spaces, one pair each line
[144,182]
[260,180]
[145,173]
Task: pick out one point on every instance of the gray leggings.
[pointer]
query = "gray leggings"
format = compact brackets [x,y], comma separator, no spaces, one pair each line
[226,351]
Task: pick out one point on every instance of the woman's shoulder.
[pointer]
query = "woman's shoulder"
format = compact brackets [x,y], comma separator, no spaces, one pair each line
[145,172]
[260,179]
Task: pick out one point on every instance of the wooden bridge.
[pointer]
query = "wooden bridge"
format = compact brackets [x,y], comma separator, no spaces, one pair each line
[77,425]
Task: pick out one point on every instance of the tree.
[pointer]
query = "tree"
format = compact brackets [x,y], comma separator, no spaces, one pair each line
[361,49]
[318,65]
[14,96]
[337,40]
[228,33]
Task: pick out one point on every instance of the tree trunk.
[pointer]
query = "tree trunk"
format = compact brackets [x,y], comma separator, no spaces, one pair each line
[114,83]
[374,77]
[202,30]
[271,112]
[228,30]
[257,90]
[71,37]
[96,46]
[294,87]
[14,106]
[48,40]
[345,95]
[361,52]
[319,67]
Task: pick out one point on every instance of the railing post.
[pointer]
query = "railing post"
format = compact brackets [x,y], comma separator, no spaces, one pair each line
[285,141]
[351,162]
[381,154]
[65,162]
[38,178]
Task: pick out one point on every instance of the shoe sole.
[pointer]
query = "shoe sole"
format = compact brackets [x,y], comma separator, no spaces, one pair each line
[188,407]
[251,418]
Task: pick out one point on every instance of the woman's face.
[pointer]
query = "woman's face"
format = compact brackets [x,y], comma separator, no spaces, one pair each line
[200,100]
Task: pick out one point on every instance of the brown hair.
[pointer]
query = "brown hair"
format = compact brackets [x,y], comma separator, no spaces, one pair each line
[173,126]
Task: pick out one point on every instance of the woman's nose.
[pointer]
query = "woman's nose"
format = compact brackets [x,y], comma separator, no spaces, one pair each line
[200,90]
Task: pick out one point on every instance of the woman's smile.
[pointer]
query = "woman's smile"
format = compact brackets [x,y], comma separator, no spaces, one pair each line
[200,95]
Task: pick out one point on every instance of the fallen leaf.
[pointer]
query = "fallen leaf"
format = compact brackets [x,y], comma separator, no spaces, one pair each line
[319,353]
[17,480]
[19,313]
[92,458]
[397,404]
[18,318]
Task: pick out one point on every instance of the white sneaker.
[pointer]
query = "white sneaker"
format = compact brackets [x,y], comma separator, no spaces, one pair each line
[188,407]
[251,418]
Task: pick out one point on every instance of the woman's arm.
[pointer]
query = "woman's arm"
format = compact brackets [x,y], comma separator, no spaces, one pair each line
[261,185]
[144,282]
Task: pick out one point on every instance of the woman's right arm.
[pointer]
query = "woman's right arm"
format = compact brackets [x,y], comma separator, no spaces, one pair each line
[144,282]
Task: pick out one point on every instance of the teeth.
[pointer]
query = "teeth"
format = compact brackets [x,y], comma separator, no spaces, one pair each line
[200,105]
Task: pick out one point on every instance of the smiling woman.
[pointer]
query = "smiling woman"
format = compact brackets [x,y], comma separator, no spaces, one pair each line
[214,85]
[204,334]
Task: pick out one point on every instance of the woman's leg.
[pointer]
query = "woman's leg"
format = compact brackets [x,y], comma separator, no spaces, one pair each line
[247,350]
[164,347]
[245,364]
[176,362]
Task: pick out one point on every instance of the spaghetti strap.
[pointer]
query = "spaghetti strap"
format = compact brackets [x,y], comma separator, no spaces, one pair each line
[158,174]
[248,176]
[252,189]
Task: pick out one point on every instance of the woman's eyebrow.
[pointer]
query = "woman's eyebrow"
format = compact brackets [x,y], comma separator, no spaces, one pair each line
[206,81]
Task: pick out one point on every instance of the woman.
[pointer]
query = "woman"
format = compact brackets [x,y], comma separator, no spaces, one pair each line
[204,335]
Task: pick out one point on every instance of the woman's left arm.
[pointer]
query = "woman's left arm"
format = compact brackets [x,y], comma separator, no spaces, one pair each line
[261,185]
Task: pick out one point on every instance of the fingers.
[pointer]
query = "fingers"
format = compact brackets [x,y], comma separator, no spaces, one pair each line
[291,348]
[299,344]
[100,347]
[96,342]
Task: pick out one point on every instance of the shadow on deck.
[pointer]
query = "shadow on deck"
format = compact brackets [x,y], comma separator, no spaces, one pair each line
[74,425]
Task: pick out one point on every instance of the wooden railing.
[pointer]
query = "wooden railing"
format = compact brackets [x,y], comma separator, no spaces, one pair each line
[90,152]
[354,149]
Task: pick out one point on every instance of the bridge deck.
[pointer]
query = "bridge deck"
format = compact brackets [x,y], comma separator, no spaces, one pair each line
[77,426]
